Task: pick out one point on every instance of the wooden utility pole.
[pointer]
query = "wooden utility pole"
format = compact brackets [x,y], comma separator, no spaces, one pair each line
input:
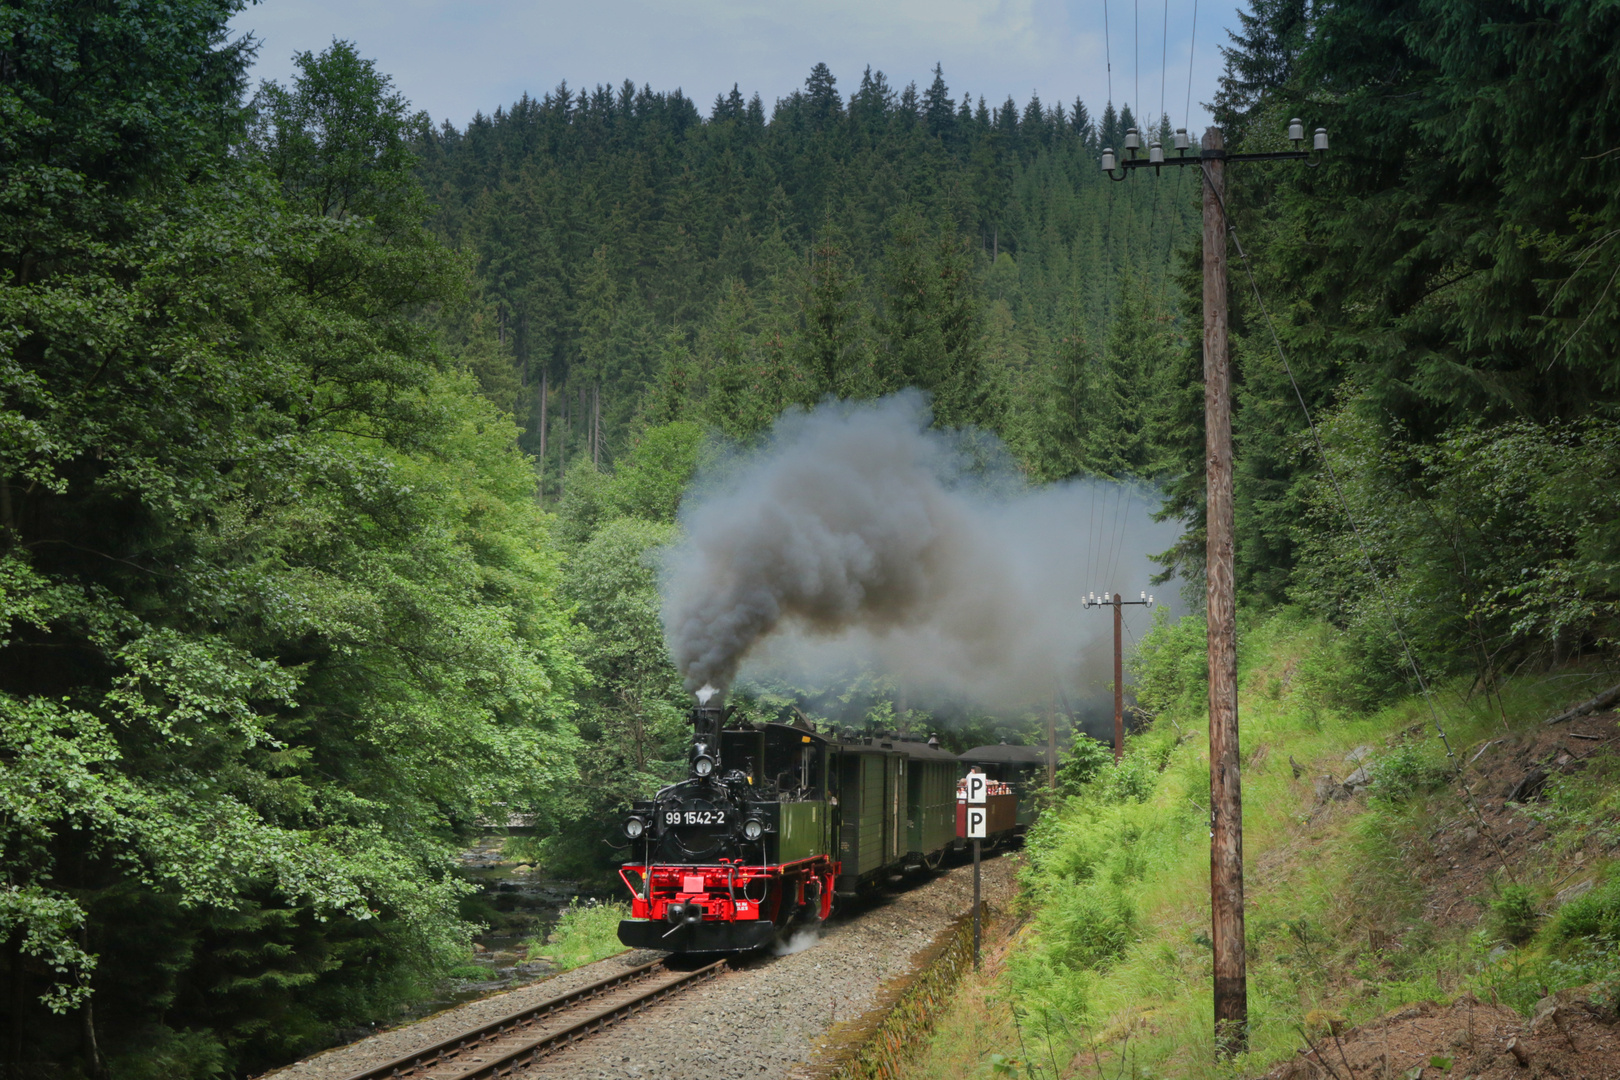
[1225,784]
[1119,684]
[1225,789]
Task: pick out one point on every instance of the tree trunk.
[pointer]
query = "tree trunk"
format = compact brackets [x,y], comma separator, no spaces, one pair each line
[544,400]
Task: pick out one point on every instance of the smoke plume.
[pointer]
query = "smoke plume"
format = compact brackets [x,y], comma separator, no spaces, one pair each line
[860,536]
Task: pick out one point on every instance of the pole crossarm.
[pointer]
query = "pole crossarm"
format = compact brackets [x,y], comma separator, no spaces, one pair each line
[1307,156]
[1156,160]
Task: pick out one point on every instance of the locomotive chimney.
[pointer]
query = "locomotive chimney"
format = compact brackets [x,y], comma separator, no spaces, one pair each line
[706,721]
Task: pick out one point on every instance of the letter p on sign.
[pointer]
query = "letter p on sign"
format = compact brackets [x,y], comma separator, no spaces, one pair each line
[976,817]
[976,789]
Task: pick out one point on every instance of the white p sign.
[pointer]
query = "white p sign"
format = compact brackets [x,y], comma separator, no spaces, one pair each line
[975,789]
[976,819]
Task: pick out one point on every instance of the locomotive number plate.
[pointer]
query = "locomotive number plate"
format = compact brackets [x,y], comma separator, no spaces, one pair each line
[694,817]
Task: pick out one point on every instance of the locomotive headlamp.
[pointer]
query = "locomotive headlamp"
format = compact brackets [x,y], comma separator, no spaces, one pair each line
[753,829]
[702,759]
[634,827]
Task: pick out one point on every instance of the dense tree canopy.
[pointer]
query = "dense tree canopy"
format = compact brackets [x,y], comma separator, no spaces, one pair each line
[279,616]
[337,448]
[824,245]
[1443,287]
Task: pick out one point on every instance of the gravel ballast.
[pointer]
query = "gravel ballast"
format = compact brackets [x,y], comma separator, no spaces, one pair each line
[760,1019]
[377,1049]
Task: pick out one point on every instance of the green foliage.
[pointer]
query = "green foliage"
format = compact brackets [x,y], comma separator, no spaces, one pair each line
[1171,666]
[1516,917]
[1087,761]
[167,1053]
[1448,313]
[1594,917]
[1116,955]
[584,934]
[1134,777]
[653,476]
[471,973]
[1494,545]
[1405,772]
[280,617]
[820,247]
[1583,804]
[632,713]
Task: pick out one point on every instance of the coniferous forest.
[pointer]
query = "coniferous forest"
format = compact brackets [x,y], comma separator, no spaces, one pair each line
[334,438]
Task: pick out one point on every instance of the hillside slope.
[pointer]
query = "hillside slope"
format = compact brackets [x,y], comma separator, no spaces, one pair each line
[1374,882]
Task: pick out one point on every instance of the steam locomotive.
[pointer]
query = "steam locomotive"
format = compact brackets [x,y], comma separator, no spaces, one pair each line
[775,821]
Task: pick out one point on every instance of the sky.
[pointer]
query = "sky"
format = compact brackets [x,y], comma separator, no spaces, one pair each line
[455,58]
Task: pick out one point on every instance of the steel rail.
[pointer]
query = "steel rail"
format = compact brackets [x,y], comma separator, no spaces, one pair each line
[429,1056]
[535,1049]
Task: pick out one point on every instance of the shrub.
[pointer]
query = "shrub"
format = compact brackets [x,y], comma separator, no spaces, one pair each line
[1405,772]
[1087,760]
[1091,927]
[1134,776]
[1594,917]
[1171,665]
[1515,914]
[584,934]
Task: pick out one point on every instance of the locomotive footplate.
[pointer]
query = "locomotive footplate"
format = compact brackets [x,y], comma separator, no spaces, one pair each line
[696,936]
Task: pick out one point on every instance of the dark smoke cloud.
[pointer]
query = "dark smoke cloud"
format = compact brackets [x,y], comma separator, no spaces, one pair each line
[859,536]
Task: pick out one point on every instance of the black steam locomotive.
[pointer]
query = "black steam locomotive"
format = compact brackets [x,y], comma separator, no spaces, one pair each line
[776,820]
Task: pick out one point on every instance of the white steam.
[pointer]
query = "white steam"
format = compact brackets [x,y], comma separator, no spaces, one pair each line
[861,537]
[796,942]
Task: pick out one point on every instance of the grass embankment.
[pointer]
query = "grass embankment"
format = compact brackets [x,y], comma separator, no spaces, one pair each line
[584,934]
[1354,906]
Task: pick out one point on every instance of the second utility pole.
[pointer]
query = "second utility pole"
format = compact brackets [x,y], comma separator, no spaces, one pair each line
[1119,605]
[1225,783]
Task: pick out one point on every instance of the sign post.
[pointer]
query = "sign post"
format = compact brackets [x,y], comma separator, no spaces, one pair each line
[977,818]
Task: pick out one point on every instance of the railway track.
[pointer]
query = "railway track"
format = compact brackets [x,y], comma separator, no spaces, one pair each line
[497,1048]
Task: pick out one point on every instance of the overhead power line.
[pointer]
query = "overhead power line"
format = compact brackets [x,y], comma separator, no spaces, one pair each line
[1192,43]
[1164,58]
[1108,56]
